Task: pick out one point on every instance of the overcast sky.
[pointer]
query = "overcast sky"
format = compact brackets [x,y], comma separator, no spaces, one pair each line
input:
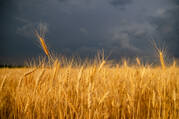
[123,28]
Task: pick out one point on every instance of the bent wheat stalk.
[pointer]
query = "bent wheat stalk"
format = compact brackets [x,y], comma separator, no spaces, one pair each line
[3,82]
[43,44]
[138,61]
[105,95]
[101,65]
[162,60]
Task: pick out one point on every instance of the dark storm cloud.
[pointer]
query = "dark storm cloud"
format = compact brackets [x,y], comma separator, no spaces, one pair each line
[120,2]
[81,27]
[167,23]
[62,0]
[130,39]
[17,22]
[176,1]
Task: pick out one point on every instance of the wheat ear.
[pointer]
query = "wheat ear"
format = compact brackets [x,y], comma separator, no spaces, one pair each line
[162,60]
[43,44]
[138,61]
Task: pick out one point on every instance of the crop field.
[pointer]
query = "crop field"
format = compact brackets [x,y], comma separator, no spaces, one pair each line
[95,91]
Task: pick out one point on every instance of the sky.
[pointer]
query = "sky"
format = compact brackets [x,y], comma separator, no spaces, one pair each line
[122,28]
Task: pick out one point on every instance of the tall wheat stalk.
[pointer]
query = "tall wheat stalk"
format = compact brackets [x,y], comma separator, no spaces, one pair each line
[43,44]
[162,60]
[160,52]
[138,61]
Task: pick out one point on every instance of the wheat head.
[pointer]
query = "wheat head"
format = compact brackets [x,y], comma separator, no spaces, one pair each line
[162,60]
[43,44]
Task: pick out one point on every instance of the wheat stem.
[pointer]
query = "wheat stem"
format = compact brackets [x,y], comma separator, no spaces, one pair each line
[162,60]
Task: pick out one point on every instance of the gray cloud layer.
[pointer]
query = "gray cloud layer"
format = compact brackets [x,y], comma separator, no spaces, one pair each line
[83,26]
[120,2]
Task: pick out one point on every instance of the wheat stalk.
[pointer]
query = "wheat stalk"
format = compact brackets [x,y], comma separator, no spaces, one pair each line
[174,63]
[38,79]
[89,100]
[162,60]
[56,67]
[78,79]
[101,65]
[28,73]
[3,82]
[102,99]
[138,61]
[124,63]
[43,44]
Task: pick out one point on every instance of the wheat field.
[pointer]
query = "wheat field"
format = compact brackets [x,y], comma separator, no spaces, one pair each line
[95,91]
[98,89]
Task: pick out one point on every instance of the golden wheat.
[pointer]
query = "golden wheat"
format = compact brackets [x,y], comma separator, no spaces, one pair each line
[138,61]
[43,44]
[94,91]
[162,60]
